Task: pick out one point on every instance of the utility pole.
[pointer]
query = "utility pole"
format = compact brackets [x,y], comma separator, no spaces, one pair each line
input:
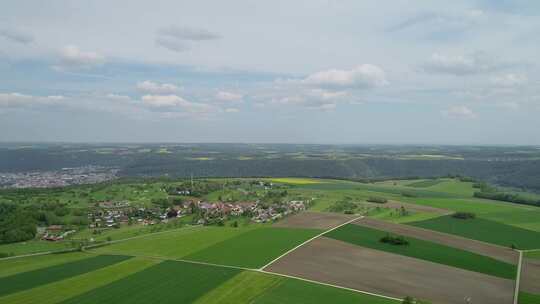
[191,181]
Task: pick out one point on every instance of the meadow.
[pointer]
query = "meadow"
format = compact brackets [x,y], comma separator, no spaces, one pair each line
[420,249]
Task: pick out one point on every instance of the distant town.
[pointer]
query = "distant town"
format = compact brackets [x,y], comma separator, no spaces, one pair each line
[58,178]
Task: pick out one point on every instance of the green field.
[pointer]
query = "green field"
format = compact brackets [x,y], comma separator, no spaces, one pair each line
[33,246]
[166,282]
[254,248]
[34,278]
[528,298]
[12,266]
[533,254]
[424,183]
[173,244]
[145,280]
[251,246]
[62,290]
[484,230]
[420,249]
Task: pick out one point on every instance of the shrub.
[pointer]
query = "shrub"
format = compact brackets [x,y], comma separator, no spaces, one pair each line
[464,215]
[378,200]
[394,240]
[408,194]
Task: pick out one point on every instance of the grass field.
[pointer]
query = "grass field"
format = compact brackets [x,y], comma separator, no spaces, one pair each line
[166,282]
[12,266]
[297,181]
[253,285]
[424,183]
[254,248]
[533,254]
[484,230]
[420,249]
[528,298]
[62,290]
[34,278]
[174,244]
[33,246]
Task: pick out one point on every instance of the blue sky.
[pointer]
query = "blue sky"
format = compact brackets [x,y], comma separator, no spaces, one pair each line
[417,72]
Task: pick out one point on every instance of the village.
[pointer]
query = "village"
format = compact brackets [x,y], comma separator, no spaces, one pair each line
[115,215]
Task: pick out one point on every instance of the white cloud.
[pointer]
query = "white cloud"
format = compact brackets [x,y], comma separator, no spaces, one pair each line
[459,65]
[362,76]
[229,96]
[460,111]
[157,88]
[14,100]
[179,39]
[17,36]
[117,97]
[73,58]
[232,110]
[175,102]
[509,80]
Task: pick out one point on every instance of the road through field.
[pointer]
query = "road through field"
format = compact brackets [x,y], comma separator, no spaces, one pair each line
[338,263]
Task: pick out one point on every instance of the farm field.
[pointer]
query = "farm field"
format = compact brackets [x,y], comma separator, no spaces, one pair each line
[41,276]
[59,291]
[243,247]
[254,248]
[484,230]
[530,276]
[33,246]
[420,249]
[173,244]
[340,263]
[528,298]
[315,220]
[166,282]
[12,266]
[142,280]
[503,254]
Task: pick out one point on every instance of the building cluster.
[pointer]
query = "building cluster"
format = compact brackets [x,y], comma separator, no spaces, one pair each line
[55,233]
[58,178]
[257,211]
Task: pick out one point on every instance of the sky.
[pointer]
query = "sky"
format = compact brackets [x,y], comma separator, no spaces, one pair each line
[351,72]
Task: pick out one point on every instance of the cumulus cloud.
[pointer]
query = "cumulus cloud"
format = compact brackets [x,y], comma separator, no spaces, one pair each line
[459,65]
[362,76]
[15,35]
[179,39]
[74,58]
[176,103]
[15,100]
[228,96]
[509,80]
[460,111]
[157,88]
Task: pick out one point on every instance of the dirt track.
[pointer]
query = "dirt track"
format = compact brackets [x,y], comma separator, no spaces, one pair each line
[496,252]
[419,208]
[530,276]
[315,220]
[335,262]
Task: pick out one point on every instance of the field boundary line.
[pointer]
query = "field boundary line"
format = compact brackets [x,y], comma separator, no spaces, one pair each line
[328,284]
[311,239]
[518,277]
[27,255]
